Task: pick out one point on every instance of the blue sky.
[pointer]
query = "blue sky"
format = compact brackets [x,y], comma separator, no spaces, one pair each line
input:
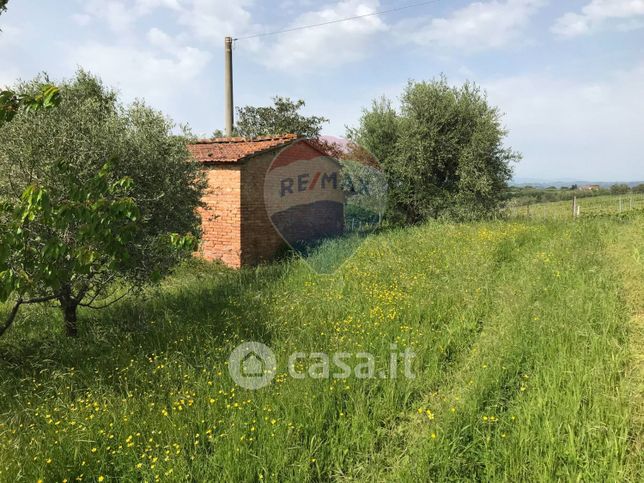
[569,75]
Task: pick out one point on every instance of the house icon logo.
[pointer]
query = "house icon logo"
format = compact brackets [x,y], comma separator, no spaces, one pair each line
[252,365]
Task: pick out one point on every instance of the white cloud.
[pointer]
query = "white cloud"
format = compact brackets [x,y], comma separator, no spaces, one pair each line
[120,15]
[216,19]
[571,127]
[82,19]
[10,36]
[157,73]
[596,14]
[117,15]
[476,27]
[164,42]
[157,50]
[325,46]
[150,64]
[149,5]
[8,77]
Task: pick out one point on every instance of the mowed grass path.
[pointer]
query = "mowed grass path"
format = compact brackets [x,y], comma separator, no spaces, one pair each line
[524,368]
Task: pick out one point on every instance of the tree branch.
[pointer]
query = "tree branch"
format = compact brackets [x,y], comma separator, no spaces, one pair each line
[11,318]
[97,292]
[16,307]
[40,300]
[90,306]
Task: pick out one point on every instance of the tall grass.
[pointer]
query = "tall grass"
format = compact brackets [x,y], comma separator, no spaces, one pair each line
[521,341]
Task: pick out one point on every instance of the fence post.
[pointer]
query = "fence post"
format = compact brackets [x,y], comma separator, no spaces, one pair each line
[574,206]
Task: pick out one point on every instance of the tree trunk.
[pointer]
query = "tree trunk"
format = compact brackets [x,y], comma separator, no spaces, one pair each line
[69,314]
[69,304]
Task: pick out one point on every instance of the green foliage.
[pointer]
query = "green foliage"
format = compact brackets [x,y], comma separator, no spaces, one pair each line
[85,233]
[619,189]
[639,189]
[281,118]
[525,195]
[46,96]
[95,198]
[442,151]
[379,130]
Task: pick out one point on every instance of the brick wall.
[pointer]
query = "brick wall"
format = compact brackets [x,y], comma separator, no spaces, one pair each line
[221,221]
[260,241]
[236,226]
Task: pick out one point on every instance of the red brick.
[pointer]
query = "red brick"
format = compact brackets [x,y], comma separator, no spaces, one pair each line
[236,227]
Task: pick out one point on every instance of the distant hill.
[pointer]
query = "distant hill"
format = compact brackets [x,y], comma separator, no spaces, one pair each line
[558,183]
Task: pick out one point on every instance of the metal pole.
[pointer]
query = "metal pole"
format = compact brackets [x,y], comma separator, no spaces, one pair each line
[228,84]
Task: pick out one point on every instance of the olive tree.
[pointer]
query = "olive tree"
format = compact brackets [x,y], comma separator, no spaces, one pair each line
[96,200]
[442,151]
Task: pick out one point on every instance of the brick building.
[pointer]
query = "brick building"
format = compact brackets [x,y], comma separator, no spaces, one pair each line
[239,220]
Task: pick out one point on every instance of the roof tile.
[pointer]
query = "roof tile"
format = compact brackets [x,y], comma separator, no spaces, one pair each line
[235,149]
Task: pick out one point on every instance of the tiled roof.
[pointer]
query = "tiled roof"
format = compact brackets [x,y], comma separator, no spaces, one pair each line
[233,150]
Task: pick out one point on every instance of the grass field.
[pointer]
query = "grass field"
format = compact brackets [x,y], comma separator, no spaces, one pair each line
[528,367]
[589,206]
